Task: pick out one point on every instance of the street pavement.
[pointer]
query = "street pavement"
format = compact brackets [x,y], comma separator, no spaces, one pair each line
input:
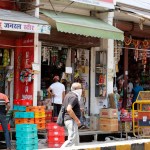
[95,145]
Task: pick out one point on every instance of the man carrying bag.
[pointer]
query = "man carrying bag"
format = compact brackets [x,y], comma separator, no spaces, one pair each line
[71,115]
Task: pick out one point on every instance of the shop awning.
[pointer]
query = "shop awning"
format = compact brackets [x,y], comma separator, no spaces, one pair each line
[22,22]
[84,25]
[139,13]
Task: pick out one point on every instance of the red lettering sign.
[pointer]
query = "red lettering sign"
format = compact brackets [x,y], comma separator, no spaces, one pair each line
[24,57]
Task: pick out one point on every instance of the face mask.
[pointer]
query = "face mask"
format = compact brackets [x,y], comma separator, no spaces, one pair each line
[79,93]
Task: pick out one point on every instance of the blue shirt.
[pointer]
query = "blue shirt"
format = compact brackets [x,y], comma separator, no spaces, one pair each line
[136,91]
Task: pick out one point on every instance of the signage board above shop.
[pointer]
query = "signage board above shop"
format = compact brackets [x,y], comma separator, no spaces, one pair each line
[24,27]
[102,3]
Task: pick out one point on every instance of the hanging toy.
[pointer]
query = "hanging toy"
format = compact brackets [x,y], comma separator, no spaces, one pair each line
[136,52]
[26,75]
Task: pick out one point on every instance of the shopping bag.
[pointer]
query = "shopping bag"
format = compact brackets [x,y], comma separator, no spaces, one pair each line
[60,119]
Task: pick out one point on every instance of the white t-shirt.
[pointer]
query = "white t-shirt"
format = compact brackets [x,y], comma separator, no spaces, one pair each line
[57,89]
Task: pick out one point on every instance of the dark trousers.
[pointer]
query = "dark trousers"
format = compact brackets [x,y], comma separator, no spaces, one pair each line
[4,124]
[57,108]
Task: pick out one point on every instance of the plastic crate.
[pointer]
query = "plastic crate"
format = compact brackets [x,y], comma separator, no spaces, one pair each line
[55,133]
[1,129]
[26,127]
[22,108]
[48,121]
[24,102]
[16,107]
[16,101]
[24,120]
[48,113]
[41,126]
[36,108]
[54,145]
[27,147]
[27,141]
[54,139]
[24,115]
[22,134]
[39,114]
[39,120]
[48,118]
[54,126]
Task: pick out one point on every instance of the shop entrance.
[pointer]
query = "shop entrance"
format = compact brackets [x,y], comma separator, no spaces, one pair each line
[70,64]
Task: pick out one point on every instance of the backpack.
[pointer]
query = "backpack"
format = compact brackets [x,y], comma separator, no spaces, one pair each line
[60,119]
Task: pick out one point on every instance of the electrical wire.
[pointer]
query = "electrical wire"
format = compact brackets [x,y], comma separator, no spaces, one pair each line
[52,7]
[66,7]
[147,50]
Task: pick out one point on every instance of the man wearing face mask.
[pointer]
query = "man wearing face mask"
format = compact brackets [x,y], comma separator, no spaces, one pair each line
[72,114]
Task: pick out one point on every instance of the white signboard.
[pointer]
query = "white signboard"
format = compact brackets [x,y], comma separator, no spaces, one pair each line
[24,27]
[69,70]
[36,67]
[101,3]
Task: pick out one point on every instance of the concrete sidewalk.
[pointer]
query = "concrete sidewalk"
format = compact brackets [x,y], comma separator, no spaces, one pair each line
[137,144]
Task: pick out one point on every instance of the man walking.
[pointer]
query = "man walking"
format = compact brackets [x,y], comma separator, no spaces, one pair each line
[4,108]
[72,114]
[57,91]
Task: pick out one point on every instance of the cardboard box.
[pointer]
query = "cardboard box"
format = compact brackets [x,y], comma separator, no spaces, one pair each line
[94,122]
[108,125]
[109,113]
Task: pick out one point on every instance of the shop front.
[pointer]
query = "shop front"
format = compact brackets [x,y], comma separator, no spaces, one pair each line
[84,46]
[17,43]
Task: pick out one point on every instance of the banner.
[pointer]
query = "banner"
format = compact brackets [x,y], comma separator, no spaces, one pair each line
[24,57]
[24,27]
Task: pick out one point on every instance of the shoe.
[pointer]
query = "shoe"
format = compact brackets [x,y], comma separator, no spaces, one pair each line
[82,127]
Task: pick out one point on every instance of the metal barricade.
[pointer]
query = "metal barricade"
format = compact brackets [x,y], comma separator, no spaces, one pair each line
[141,115]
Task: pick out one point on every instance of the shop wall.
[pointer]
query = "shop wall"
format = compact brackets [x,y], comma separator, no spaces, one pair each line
[9,4]
[5,42]
[24,56]
[96,103]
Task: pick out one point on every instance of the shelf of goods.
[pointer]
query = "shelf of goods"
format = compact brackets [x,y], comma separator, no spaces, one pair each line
[100,74]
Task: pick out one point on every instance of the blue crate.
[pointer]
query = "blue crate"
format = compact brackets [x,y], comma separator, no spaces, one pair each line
[27,147]
[26,127]
[22,134]
[24,115]
[22,108]
[16,107]
[26,141]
